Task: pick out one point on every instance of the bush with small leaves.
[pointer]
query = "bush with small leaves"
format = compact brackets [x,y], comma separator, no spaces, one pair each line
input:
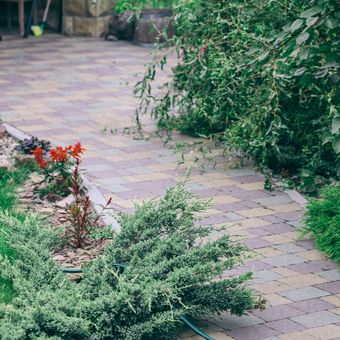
[322,220]
[172,270]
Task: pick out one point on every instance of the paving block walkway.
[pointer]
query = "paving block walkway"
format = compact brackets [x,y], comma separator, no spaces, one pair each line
[67,90]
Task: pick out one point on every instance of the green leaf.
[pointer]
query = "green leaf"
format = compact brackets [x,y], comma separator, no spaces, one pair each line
[336,125]
[300,71]
[311,12]
[336,145]
[302,38]
[304,54]
[311,21]
[296,25]
[331,23]
[263,56]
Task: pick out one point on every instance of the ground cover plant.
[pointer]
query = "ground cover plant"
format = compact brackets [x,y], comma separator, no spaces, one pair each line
[171,270]
[257,76]
[9,181]
[322,221]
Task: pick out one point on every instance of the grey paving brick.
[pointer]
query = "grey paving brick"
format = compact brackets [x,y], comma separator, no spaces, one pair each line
[232,321]
[234,216]
[332,274]
[141,170]
[284,260]
[116,187]
[306,293]
[255,332]
[265,276]
[296,224]
[98,167]
[316,319]
[288,248]
[273,200]
[240,172]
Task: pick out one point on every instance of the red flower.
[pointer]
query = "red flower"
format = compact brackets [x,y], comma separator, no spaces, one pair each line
[59,154]
[39,157]
[77,150]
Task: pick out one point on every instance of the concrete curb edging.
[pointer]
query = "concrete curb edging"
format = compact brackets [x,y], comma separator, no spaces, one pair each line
[297,197]
[96,197]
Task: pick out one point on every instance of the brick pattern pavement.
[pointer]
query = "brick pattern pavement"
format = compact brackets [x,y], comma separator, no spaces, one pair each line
[67,90]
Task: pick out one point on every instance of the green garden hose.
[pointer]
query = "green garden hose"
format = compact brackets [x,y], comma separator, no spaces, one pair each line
[184,319]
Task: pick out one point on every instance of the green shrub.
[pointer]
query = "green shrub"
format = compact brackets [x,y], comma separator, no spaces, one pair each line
[172,270]
[9,181]
[259,76]
[322,220]
[137,5]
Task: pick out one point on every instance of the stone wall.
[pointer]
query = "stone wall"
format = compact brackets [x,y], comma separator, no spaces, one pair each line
[86,17]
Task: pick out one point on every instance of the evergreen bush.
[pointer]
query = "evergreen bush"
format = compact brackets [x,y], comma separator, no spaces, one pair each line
[172,269]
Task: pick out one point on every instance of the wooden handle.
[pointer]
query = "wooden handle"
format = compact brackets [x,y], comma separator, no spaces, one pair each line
[46,10]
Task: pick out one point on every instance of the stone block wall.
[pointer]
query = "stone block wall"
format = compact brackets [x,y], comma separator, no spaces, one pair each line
[87,17]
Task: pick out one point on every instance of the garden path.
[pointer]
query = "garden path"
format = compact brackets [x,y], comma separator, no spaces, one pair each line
[67,90]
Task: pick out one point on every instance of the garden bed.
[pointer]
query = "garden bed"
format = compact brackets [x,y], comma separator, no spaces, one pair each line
[34,197]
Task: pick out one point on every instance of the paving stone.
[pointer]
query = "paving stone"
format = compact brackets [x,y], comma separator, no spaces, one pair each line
[277,313]
[332,287]
[285,272]
[324,332]
[312,305]
[116,188]
[300,281]
[299,335]
[291,216]
[272,200]
[332,299]
[255,243]
[275,299]
[332,274]
[278,228]
[257,212]
[99,167]
[284,260]
[288,248]
[231,322]
[316,319]
[253,333]
[276,239]
[272,218]
[296,224]
[312,266]
[265,276]
[285,326]
[257,265]
[306,293]
[270,287]
[306,244]
[234,217]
